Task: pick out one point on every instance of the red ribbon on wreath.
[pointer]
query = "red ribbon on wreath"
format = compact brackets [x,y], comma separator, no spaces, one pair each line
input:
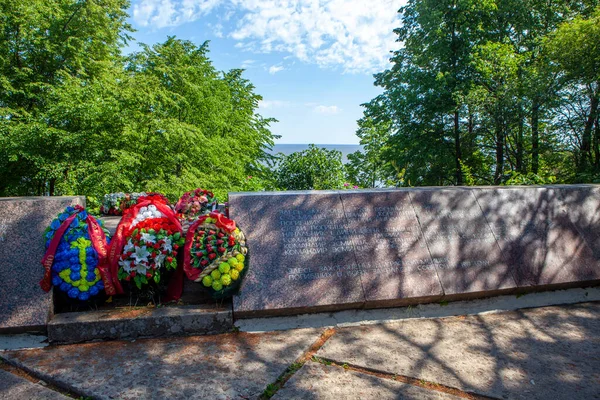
[98,239]
[175,287]
[221,221]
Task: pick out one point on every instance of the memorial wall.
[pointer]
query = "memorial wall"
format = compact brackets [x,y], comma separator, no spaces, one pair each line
[23,304]
[332,250]
[335,250]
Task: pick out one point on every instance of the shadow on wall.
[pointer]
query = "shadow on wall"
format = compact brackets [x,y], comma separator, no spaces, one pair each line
[390,245]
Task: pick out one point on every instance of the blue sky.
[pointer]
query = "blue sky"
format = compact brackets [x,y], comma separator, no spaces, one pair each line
[311,60]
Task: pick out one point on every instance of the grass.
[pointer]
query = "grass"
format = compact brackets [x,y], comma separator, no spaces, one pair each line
[272,388]
[320,360]
[270,391]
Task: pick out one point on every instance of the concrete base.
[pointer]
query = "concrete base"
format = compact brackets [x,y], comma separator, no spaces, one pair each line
[139,322]
[22,341]
[433,310]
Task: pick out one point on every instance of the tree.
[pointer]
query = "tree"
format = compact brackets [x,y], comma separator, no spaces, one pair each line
[312,169]
[51,48]
[367,168]
[574,46]
[497,67]
[184,124]
[425,89]
[476,91]
[76,117]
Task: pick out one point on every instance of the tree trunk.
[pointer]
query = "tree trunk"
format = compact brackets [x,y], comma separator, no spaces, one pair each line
[519,161]
[499,152]
[597,144]
[51,185]
[586,140]
[535,138]
[458,154]
[470,129]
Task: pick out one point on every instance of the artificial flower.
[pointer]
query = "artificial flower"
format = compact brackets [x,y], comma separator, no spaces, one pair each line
[74,268]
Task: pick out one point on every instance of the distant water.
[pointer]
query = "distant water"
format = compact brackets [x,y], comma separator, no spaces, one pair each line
[346,149]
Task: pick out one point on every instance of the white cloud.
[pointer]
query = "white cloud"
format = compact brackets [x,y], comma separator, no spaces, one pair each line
[275,69]
[327,110]
[218,30]
[162,13]
[248,64]
[354,34]
[266,104]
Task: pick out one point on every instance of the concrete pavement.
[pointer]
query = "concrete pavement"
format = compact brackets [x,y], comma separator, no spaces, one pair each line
[539,353]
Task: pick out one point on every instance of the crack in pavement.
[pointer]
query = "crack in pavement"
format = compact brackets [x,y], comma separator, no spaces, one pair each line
[11,368]
[433,386]
[274,387]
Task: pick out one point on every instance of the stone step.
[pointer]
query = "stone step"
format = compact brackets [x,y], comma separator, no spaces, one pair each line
[140,322]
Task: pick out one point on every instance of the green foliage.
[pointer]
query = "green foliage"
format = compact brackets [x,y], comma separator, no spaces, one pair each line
[487,92]
[312,169]
[76,117]
[575,47]
[469,179]
[530,179]
[367,168]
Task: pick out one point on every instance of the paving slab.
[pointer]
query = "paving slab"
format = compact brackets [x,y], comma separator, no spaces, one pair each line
[25,306]
[543,353]
[13,387]
[322,382]
[227,366]
[22,341]
[301,258]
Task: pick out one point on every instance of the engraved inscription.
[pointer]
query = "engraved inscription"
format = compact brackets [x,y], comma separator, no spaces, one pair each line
[311,232]
[321,272]
[315,232]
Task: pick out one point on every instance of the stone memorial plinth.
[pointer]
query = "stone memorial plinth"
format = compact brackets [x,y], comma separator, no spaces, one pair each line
[317,251]
[465,252]
[24,305]
[396,267]
[302,258]
[538,239]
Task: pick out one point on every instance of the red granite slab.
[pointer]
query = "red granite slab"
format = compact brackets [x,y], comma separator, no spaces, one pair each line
[301,258]
[462,245]
[24,306]
[581,203]
[539,241]
[396,267]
